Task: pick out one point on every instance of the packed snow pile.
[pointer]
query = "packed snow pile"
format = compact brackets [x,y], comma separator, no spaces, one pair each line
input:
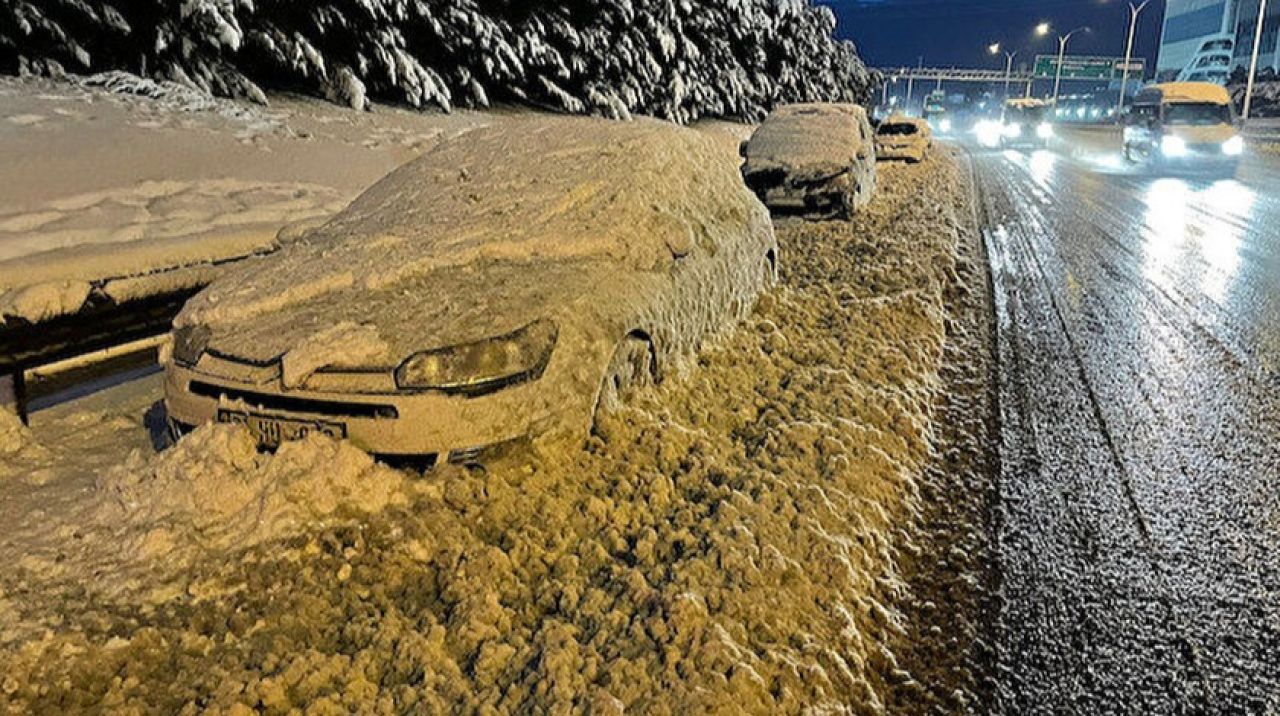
[124,243]
[15,438]
[677,60]
[729,542]
[214,490]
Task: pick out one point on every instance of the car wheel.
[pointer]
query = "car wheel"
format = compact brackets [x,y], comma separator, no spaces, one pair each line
[631,367]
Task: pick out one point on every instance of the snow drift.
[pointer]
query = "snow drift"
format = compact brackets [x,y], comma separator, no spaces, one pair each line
[729,543]
[676,60]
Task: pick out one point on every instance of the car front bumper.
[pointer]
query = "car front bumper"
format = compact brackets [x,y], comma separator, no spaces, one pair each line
[899,152]
[431,425]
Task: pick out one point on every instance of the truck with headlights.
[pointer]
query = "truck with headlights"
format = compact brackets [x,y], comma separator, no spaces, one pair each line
[508,286]
[1025,124]
[1187,126]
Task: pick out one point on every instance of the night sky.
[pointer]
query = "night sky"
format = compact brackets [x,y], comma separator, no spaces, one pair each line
[956,32]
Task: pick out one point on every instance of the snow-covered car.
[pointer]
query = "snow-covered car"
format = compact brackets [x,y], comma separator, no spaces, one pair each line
[902,137]
[508,284]
[817,160]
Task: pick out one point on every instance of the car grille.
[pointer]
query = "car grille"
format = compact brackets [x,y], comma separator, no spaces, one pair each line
[267,401]
[1212,148]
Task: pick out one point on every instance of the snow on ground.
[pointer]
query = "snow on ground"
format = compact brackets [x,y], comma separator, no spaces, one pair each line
[96,184]
[729,540]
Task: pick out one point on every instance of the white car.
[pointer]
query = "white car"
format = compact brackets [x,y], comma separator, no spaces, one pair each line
[506,285]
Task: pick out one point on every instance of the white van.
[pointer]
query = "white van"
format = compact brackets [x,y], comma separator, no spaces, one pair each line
[1184,125]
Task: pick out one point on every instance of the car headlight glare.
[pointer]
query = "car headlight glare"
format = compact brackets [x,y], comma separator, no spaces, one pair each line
[1044,131]
[189,343]
[1233,147]
[482,366]
[1173,147]
[944,125]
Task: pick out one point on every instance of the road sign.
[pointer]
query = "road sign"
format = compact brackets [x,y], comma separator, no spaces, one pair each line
[1084,67]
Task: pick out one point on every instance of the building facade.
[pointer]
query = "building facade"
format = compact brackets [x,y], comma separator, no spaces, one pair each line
[1205,40]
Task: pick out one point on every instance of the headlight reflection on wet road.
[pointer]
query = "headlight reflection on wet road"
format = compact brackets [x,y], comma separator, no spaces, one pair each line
[1194,233]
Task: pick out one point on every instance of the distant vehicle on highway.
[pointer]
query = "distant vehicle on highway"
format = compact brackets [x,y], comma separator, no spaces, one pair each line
[903,137]
[935,111]
[1025,123]
[1184,125]
[510,283]
[815,160]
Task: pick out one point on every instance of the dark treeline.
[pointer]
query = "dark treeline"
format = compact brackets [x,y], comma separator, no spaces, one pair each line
[677,59]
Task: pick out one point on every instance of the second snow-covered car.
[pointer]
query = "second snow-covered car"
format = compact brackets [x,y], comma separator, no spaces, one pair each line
[1025,124]
[903,137]
[816,160]
[507,284]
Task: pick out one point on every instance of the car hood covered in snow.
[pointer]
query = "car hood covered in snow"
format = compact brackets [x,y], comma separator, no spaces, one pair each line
[410,259]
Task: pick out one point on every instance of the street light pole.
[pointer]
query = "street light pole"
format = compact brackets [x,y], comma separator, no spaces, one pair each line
[1008,71]
[1062,51]
[1253,62]
[1134,10]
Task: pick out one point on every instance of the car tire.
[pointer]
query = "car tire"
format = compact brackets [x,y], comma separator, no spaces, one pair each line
[631,367]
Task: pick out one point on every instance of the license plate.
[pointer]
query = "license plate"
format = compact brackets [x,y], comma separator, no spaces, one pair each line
[272,431]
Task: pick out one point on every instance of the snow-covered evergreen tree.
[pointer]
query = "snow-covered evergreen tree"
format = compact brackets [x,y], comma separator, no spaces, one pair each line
[678,59]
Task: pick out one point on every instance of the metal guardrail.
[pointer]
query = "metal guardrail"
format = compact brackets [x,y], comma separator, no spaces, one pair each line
[97,326]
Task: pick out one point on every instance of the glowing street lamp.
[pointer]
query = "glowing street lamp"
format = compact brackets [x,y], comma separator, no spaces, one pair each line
[1042,29]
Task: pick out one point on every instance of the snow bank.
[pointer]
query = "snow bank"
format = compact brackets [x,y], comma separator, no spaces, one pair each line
[729,542]
[14,436]
[215,491]
[612,57]
[133,241]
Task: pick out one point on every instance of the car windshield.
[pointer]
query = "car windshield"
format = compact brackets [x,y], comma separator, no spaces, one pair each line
[896,130]
[1197,113]
[1026,114]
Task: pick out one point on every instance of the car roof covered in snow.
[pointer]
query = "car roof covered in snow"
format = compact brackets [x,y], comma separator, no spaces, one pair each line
[821,137]
[544,188]
[1183,92]
[1025,103]
[898,118]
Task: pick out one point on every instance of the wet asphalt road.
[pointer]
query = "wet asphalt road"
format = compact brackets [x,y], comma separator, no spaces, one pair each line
[1138,536]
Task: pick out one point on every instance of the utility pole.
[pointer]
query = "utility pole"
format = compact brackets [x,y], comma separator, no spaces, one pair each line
[1008,71]
[1134,10]
[1062,51]
[1253,62]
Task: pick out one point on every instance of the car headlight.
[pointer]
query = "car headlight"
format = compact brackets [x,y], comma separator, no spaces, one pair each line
[483,366]
[944,125]
[1233,147]
[1044,131]
[189,343]
[1013,130]
[1173,146]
